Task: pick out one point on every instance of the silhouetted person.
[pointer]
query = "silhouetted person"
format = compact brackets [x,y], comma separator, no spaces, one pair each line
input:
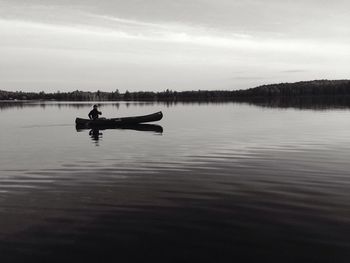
[93,115]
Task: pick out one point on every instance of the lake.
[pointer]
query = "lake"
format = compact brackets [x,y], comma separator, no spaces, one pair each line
[214,182]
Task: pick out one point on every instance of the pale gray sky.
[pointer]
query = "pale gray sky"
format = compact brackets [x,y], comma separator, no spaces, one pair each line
[170,44]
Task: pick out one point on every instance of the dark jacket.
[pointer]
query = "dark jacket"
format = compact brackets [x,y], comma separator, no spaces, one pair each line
[93,115]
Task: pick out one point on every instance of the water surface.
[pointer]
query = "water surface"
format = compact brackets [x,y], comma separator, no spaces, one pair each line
[223,182]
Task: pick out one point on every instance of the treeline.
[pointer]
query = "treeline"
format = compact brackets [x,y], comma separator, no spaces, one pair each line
[303,88]
[60,96]
[77,95]
[306,88]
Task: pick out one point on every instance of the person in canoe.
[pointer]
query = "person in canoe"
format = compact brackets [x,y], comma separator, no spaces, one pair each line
[93,114]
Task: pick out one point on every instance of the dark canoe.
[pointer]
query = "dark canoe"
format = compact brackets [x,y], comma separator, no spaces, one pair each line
[136,127]
[119,121]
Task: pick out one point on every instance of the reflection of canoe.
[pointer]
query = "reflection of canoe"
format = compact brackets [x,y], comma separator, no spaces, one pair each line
[136,127]
[119,121]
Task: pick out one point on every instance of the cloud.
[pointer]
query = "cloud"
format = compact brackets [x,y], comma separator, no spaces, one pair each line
[134,30]
[248,78]
[293,71]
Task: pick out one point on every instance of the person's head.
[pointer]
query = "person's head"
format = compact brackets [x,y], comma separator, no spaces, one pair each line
[95,106]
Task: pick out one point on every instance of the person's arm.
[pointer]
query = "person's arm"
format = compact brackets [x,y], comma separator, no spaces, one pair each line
[99,113]
[90,115]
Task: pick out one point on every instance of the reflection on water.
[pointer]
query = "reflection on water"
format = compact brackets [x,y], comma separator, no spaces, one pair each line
[302,102]
[298,102]
[224,183]
[96,134]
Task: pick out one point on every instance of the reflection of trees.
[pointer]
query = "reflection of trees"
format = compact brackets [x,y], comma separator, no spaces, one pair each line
[301,102]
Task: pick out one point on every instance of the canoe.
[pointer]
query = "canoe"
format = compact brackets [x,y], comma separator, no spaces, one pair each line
[119,121]
[136,127]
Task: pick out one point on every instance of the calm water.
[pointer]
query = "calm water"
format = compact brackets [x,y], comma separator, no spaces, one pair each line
[222,183]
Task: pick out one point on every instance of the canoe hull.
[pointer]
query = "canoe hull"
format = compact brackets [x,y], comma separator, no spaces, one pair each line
[136,127]
[119,121]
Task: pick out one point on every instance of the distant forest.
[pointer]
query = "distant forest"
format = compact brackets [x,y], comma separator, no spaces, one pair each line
[283,90]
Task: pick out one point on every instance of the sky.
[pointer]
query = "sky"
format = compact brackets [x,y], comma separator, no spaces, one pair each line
[139,45]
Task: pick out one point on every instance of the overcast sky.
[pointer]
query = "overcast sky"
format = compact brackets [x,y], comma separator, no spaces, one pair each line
[133,45]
